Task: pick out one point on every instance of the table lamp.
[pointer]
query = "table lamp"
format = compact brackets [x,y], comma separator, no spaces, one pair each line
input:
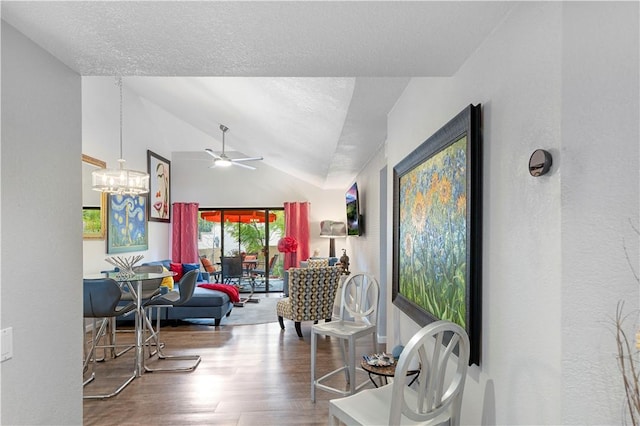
[332,229]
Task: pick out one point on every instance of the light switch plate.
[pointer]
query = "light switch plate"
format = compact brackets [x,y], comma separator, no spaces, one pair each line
[6,344]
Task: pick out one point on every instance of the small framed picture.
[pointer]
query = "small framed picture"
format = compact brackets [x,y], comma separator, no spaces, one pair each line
[159,204]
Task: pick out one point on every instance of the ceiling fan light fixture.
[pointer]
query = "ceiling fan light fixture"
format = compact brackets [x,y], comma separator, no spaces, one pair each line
[120,181]
[221,160]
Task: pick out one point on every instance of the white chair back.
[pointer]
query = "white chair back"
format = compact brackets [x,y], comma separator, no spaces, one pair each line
[440,384]
[359,299]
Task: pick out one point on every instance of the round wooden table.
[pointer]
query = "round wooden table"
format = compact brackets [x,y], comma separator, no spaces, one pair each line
[384,372]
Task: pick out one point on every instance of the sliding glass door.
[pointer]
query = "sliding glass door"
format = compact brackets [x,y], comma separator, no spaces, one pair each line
[252,234]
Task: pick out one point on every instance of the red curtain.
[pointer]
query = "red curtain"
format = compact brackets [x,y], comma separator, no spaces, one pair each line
[184,236]
[296,219]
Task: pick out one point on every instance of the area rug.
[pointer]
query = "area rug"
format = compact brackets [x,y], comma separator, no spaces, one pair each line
[251,313]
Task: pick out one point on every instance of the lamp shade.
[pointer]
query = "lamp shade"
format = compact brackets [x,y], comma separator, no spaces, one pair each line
[120,181]
[333,229]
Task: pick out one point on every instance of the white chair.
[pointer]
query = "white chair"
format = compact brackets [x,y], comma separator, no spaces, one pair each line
[358,318]
[436,397]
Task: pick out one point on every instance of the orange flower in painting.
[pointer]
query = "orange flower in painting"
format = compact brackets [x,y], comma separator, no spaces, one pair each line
[433,190]
[435,180]
[408,245]
[445,191]
[461,204]
[413,179]
[419,213]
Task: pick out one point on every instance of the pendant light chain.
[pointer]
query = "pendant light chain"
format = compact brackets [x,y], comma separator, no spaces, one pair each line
[120,86]
[120,181]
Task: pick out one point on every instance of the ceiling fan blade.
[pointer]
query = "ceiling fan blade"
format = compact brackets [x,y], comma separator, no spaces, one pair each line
[223,160]
[211,153]
[247,159]
[242,165]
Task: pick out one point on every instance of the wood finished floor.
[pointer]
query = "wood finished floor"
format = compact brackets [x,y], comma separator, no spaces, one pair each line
[249,375]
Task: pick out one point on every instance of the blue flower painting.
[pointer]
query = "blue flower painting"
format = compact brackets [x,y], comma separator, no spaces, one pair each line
[433,234]
[127,224]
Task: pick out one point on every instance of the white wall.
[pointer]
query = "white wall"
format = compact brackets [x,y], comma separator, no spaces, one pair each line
[147,126]
[599,199]
[364,250]
[42,229]
[554,265]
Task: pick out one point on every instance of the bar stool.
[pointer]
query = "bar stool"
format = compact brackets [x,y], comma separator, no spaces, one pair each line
[358,318]
[150,288]
[186,286]
[101,298]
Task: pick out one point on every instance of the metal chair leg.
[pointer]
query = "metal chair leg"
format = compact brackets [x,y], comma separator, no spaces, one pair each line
[91,357]
[154,335]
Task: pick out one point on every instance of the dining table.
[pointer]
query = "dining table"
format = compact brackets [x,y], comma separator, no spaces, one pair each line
[134,282]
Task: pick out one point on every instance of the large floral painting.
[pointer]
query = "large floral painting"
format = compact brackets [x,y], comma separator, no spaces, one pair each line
[433,234]
[437,228]
[127,223]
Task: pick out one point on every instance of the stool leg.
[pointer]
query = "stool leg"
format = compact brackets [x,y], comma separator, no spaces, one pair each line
[155,336]
[352,365]
[314,338]
[92,355]
[345,361]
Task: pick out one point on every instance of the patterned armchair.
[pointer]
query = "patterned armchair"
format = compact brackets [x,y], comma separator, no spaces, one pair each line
[312,292]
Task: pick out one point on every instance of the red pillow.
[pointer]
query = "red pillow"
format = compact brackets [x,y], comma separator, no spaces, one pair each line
[177,268]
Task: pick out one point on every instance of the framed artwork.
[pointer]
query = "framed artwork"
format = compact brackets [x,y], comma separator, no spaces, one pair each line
[94,204]
[93,223]
[127,223]
[159,170]
[437,220]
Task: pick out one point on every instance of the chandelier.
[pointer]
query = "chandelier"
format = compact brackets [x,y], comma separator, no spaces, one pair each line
[120,180]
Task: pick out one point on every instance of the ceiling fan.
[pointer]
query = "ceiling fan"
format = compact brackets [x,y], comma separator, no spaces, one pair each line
[223,161]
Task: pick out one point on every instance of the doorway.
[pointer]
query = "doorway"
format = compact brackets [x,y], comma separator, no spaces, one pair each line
[250,233]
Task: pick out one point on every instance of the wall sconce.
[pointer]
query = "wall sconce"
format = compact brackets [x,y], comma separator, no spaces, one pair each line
[539,162]
[332,229]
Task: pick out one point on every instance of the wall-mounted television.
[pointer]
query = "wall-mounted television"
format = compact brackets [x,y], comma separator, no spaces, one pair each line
[354,220]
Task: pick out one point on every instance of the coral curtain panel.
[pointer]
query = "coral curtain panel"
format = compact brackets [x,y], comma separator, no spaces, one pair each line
[296,225]
[184,236]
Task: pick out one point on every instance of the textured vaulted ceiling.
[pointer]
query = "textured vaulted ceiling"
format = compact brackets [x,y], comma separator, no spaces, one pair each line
[307,85]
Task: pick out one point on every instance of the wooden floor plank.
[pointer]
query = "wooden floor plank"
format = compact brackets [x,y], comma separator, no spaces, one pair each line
[249,375]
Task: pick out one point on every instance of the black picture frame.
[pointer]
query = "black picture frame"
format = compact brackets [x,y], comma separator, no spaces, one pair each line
[437,228]
[159,197]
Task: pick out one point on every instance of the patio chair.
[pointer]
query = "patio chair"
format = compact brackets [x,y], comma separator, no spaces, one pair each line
[231,269]
[261,272]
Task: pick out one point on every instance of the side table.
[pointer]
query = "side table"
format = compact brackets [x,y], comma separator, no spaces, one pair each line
[384,372]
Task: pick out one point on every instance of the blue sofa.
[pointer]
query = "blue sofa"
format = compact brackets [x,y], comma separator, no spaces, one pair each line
[205,303]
